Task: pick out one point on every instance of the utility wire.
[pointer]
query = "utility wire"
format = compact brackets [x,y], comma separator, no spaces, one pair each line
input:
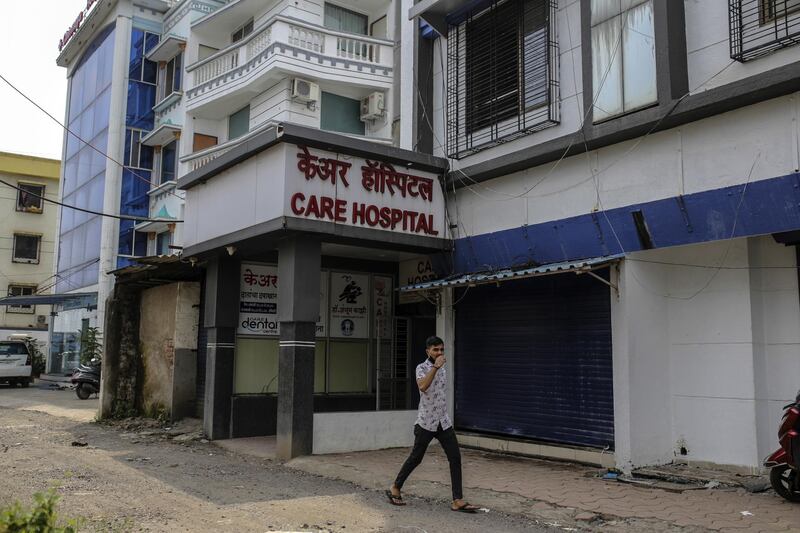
[90,145]
[91,212]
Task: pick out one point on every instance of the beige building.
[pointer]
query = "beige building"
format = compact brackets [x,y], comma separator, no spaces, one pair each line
[27,239]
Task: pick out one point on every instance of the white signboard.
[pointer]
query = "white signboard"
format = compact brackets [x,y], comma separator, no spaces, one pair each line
[350,304]
[348,190]
[382,303]
[258,301]
[415,271]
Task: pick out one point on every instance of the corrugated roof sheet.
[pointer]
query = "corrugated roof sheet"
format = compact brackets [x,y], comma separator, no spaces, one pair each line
[583,265]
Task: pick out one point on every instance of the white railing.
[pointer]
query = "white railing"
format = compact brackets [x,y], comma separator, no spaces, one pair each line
[294,33]
[259,43]
[204,157]
[357,49]
[218,66]
[306,39]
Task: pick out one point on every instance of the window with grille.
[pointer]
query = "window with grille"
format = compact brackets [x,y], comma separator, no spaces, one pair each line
[29,197]
[21,290]
[502,74]
[759,27]
[26,248]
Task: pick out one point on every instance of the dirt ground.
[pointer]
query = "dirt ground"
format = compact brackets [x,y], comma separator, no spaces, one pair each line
[138,478]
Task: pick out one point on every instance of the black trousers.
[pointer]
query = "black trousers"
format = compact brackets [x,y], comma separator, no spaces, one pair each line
[423,437]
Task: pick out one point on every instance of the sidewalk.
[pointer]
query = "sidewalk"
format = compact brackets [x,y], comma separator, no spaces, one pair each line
[568,496]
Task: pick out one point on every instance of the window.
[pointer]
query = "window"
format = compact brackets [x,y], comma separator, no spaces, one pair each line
[772,9]
[760,27]
[501,74]
[623,57]
[137,155]
[169,161]
[141,69]
[239,123]
[242,31]
[341,19]
[338,113]
[21,290]
[26,248]
[29,197]
[163,240]
[172,76]
[201,142]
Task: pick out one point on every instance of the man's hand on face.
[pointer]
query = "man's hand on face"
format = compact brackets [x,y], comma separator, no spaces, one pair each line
[440,361]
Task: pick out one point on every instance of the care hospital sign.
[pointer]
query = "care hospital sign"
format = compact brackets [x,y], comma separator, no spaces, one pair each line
[319,190]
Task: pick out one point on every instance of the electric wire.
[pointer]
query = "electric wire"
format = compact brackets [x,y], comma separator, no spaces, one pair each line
[90,211]
[87,143]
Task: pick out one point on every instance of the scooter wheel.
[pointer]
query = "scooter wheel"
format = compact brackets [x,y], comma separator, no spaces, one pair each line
[784,480]
[83,392]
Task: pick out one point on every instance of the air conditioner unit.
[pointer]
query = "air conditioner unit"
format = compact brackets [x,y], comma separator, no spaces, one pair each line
[41,320]
[373,106]
[304,90]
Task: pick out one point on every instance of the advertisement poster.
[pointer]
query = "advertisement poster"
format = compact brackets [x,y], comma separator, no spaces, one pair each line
[412,272]
[258,301]
[350,304]
[382,302]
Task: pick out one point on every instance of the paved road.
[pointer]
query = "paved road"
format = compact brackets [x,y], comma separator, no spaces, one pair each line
[130,481]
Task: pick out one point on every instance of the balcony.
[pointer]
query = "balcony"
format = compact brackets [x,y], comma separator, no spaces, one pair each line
[289,46]
[201,158]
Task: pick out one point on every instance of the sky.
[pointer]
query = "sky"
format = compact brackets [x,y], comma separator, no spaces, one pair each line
[29,34]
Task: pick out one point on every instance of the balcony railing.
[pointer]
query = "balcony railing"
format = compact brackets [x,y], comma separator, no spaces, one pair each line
[316,39]
[203,157]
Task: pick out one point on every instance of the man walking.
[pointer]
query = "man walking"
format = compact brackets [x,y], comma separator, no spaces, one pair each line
[433,422]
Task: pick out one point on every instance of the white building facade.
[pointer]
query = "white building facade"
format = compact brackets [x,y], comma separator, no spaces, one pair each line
[653,144]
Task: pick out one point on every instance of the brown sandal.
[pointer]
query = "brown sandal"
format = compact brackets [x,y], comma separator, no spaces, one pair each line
[394,500]
[466,508]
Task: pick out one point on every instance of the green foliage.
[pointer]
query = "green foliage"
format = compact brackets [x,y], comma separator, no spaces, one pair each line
[159,412]
[37,359]
[119,410]
[91,347]
[41,518]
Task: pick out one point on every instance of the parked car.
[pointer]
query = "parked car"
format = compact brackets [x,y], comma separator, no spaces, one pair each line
[15,363]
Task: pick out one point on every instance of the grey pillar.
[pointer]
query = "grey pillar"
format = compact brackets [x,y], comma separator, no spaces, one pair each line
[298,293]
[221,315]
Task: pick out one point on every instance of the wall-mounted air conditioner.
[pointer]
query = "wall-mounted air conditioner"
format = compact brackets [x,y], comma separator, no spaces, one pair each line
[304,90]
[373,106]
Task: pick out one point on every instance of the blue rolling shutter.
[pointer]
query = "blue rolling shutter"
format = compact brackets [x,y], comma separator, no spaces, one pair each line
[533,360]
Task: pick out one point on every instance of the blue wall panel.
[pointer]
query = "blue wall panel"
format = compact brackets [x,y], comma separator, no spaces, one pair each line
[759,208]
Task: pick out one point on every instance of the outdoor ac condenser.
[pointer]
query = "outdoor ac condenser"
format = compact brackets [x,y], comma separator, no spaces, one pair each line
[372,106]
[304,90]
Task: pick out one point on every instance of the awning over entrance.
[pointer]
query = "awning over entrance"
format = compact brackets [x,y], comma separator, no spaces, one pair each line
[75,300]
[583,266]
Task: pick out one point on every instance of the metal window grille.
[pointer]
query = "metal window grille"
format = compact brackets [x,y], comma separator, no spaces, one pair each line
[759,27]
[502,74]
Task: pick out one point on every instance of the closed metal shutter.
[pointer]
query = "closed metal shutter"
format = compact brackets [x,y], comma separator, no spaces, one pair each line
[533,360]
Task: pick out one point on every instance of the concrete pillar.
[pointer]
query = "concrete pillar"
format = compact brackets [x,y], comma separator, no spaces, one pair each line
[121,358]
[220,321]
[445,328]
[109,230]
[299,260]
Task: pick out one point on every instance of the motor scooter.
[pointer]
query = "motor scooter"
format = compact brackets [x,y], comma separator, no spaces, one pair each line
[784,463]
[86,379]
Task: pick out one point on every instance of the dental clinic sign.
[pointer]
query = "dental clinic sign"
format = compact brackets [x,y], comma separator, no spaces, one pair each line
[76,24]
[363,192]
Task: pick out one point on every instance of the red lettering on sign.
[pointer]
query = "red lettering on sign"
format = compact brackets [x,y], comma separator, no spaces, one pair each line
[298,197]
[341,209]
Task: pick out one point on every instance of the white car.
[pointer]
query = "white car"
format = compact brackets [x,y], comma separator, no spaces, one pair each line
[15,363]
